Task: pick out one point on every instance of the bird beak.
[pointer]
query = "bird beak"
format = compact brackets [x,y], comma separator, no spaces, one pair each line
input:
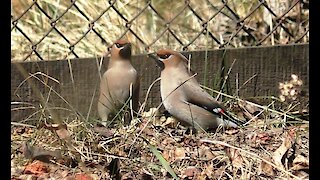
[159,63]
[125,51]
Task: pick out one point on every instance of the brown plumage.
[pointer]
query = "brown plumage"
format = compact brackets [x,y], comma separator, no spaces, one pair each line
[183,97]
[115,83]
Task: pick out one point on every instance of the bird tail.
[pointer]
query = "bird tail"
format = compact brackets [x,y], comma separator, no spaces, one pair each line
[231,121]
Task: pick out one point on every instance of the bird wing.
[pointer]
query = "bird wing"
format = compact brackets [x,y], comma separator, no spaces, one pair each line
[196,95]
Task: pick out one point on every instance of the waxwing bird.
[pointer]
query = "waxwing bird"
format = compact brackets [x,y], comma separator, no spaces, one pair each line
[116,83]
[183,97]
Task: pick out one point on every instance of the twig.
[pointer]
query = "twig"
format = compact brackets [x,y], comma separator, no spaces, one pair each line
[226,78]
[21,124]
[147,94]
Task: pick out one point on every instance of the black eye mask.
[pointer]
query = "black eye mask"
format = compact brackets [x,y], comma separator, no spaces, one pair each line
[164,56]
[119,45]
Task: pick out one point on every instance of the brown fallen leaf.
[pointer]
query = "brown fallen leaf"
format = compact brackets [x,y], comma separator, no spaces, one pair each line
[266,169]
[190,172]
[151,112]
[82,176]
[217,173]
[205,153]
[25,176]
[154,114]
[168,141]
[287,143]
[300,163]
[148,131]
[259,138]
[302,175]
[168,155]
[170,122]
[104,131]
[249,109]
[235,157]
[208,172]
[63,134]
[36,168]
[179,153]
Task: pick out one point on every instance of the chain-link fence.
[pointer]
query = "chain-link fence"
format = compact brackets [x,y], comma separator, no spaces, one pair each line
[54,29]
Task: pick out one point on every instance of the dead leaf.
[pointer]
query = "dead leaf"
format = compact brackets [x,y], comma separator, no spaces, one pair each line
[69,178]
[301,174]
[36,168]
[217,173]
[205,153]
[104,131]
[300,163]
[287,143]
[151,112]
[179,153]
[148,131]
[168,141]
[170,122]
[154,114]
[259,138]
[208,172]
[168,155]
[266,169]
[64,173]
[63,134]
[25,176]
[190,172]
[249,109]
[82,176]
[235,157]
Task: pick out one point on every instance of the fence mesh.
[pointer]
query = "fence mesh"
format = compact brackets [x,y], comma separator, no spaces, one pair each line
[53,29]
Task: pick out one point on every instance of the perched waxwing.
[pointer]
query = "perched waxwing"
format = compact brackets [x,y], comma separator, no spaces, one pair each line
[116,83]
[183,97]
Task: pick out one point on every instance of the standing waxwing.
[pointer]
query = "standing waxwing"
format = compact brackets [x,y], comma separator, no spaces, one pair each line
[116,82]
[183,97]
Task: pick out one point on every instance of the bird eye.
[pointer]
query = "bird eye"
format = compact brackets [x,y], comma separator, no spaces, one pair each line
[164,56]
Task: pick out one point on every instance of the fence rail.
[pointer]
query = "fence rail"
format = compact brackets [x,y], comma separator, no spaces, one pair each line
[46,30]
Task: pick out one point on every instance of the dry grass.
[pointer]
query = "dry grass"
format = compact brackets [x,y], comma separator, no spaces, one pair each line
[158,147]
[237,154]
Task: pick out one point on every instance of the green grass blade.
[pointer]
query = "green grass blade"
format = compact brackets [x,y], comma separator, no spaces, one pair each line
[163,161]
